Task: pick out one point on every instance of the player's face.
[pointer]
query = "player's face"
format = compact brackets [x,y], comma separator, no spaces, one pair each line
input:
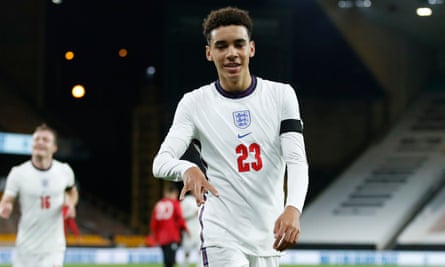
[43,144]
[231,49]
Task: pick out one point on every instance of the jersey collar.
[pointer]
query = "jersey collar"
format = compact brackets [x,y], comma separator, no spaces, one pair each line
[242,94]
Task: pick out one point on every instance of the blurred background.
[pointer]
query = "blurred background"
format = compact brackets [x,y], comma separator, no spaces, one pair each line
[356,66]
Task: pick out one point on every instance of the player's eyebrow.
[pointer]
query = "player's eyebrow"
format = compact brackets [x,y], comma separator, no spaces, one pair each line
[240,41]
[220,42]
[236,41]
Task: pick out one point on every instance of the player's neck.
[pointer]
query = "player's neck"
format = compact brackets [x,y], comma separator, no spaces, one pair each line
[41,162]
[236,85]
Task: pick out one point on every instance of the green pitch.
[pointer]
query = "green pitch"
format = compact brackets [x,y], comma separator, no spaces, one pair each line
[160,265]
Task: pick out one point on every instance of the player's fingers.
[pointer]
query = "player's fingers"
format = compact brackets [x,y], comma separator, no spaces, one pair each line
[212,189]
[279,229]
[276,228]
[293,236]
[183,192]
[198,193]
[279,243]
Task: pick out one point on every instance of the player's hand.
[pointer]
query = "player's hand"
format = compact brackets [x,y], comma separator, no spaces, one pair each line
[287,229]
[68,211]
[187,231]
[196,182]
[5,210]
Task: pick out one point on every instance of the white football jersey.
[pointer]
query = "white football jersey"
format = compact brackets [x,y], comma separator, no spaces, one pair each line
[41,196]
[238,136]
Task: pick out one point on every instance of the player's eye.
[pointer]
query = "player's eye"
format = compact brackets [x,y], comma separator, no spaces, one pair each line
[220,46]
[240,44]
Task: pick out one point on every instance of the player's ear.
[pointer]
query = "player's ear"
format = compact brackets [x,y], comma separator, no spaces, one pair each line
[208,54]
[252,48]
[55,148]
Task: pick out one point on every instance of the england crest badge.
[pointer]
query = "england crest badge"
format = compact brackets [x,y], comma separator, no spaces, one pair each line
[241,119]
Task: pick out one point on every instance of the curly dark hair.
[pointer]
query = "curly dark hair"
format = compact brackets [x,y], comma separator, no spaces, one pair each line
[224,17]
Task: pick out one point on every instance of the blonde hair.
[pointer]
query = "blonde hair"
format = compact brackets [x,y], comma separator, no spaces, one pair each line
[45,127]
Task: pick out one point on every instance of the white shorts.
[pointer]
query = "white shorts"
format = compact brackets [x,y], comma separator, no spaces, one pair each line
[223,257]
[53,259]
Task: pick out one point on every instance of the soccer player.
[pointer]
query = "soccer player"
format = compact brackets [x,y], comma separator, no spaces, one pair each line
[44,186]
[167,223]
[190,242]
[248,130]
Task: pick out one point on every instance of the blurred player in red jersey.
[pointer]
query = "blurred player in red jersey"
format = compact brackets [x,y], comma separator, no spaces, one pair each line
[167,223]
[70,224]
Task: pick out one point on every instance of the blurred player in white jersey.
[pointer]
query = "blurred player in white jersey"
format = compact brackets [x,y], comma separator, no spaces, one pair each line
[249,132]
[43,186]
[190,242]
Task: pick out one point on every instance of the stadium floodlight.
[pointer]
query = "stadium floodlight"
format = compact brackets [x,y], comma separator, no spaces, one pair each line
[363,3]
[424,12]
[354,3]
[345,4]
[435,2]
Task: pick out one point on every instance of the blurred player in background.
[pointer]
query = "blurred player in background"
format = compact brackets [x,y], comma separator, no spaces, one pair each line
[191,242]
[43,187]
[167,223]
[249,132]
[70,225]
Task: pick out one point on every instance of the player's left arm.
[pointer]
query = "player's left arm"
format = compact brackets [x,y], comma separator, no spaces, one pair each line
[287,226]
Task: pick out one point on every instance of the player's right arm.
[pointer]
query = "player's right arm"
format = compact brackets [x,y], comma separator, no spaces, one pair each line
[10,193]
[6,205]
[168,164]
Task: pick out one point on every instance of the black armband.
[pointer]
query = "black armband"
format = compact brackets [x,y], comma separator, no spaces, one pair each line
[291,125]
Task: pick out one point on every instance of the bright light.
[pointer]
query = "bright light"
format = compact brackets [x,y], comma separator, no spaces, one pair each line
[354,3]
[345,4]
[364,3]
[435,2]
[424,11]
[57,2]
[123,52]
[69,55]
[78,91]
[151,70]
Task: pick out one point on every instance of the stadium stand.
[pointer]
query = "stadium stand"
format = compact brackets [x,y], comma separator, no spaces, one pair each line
[370,204]
[88,240]
[7,239]
[130,241]
[427,230]
[93,218]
